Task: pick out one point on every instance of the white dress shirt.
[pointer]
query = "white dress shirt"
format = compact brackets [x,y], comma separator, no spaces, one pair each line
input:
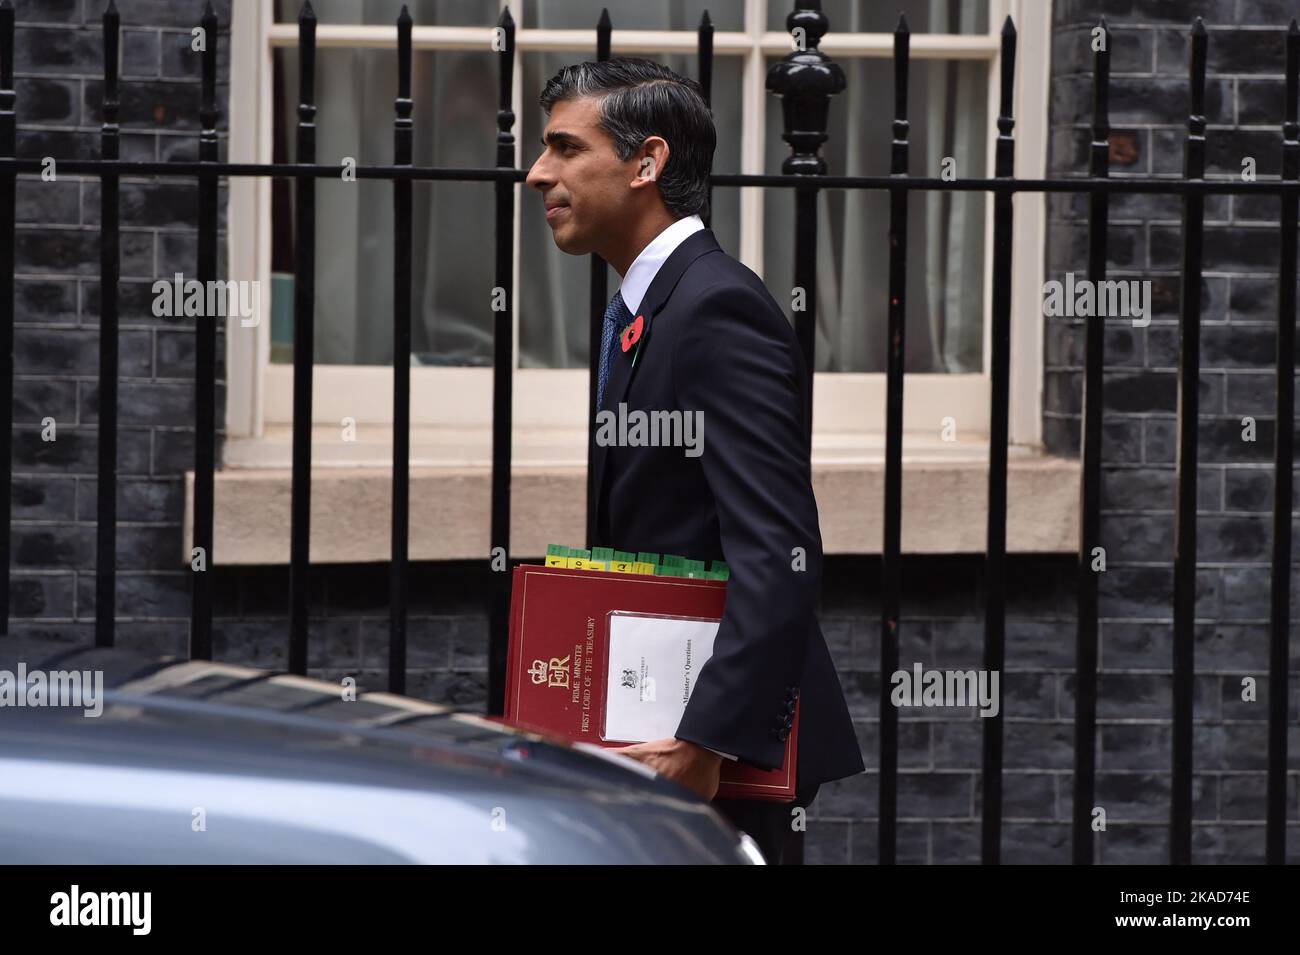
[646,266]
[642,272]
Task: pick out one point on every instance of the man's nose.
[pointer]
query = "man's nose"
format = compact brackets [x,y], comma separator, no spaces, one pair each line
[537,177]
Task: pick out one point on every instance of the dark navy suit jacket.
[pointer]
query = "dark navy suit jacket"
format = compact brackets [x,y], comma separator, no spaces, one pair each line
[715,342]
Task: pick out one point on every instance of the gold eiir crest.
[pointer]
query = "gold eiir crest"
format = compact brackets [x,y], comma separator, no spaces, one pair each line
[558,672]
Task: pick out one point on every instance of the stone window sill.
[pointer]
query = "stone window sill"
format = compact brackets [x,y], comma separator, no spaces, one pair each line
[944,496]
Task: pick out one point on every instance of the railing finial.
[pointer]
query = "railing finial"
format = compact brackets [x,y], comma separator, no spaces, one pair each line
[805,79]
[604,35]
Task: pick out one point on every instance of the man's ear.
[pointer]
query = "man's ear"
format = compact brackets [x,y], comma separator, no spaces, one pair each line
[651,162]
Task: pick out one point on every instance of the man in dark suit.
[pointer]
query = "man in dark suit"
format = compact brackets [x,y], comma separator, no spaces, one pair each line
[692,332]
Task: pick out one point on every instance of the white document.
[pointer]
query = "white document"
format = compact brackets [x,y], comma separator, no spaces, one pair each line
[653,662]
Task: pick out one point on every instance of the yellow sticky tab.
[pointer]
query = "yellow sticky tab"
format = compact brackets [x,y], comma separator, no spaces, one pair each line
[554,560]
[641,567]
[594,565]
[576,563]
[622,567]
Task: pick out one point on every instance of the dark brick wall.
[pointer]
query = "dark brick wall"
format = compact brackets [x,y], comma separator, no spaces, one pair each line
[939,802]
[1149,106]
[59,83]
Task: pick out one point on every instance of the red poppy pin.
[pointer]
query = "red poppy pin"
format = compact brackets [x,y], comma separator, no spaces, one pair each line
[632,334]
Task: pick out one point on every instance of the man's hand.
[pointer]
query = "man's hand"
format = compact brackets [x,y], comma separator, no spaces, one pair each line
[684,763]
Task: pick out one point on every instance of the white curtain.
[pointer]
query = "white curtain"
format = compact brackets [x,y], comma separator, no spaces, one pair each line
[455,96]
[948,116]
[957,126]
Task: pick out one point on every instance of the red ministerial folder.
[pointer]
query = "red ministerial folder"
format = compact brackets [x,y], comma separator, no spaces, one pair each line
[557,677]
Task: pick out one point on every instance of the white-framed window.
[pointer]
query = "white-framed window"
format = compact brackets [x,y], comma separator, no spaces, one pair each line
[953,105]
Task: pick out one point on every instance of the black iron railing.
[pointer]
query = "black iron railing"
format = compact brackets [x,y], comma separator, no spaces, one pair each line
[805,80]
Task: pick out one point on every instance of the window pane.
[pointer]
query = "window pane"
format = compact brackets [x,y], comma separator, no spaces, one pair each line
[873,16]
[670,15]
[554,299]
[945,249]
[553,14]
[443,13]
[453,228]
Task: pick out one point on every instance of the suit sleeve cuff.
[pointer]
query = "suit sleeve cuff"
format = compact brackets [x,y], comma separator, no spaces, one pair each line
[712,750]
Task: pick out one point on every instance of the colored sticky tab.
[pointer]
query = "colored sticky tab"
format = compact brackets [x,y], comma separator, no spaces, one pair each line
[646,557]
[603,554]
[577,563]
[643,567]
[595,565]
[625,556]
[622,567]
[721,569]
[694,568]
[672,560]
[556,550]
[555,560]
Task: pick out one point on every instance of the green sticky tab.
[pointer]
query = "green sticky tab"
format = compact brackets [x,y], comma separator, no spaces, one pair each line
[625,556]
[556,550]
[605,554]
[721,569]
[584,554]
[672,560]
[694,568]
[645,557]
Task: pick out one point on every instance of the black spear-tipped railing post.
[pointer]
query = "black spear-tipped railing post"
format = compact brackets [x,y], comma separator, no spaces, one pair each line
[704,47]
[891,565]
[1085,652]
[8,209]
[402,270]
[1189,374]
[891,568]
[805,80]
[598,300]
[304,302]
[502,377]
[995,558]
[109,271]
[1283,449]
[205,359]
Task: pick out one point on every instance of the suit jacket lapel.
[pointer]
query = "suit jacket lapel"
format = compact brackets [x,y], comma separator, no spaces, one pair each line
[620,375]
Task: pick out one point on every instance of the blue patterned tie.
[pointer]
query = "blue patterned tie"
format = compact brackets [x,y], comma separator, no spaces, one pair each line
[616,317]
